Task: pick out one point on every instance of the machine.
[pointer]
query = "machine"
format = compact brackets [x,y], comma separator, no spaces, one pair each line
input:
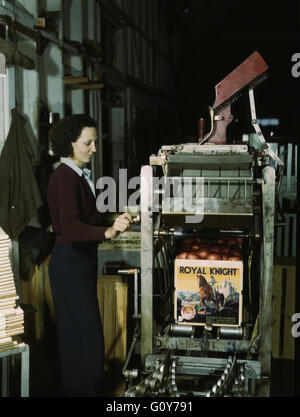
[212,337]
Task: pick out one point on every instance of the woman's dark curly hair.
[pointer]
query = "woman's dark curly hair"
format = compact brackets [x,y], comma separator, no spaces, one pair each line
[68,130]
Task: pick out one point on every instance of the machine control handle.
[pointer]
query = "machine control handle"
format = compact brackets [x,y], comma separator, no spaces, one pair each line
[201,128]
[130,271]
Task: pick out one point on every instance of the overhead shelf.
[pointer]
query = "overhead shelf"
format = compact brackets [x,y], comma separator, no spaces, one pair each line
[29,28]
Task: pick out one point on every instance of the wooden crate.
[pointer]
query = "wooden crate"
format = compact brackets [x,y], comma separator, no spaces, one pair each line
[32,294]
[284,290]
[35,292]
[112,297]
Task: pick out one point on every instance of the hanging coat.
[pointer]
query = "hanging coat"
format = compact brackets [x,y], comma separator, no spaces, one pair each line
[19,193]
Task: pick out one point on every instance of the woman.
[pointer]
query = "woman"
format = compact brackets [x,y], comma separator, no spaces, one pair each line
[73,263]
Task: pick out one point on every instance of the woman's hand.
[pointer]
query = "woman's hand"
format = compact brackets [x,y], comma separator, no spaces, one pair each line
[121,224]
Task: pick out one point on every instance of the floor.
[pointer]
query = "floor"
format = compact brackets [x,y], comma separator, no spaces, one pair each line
[44,365]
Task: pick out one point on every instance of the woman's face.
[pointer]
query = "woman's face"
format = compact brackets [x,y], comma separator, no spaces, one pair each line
[84,147]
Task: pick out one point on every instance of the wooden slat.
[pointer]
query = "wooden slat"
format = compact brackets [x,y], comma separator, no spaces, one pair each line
[289,341]
[33,295]
[37,301]
[283,342]
[88,86]
[48,292]
[75,80]
[294,237]
[112,298]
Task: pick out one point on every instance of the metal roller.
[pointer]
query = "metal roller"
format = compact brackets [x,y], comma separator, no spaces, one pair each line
[182,331]
[230,332]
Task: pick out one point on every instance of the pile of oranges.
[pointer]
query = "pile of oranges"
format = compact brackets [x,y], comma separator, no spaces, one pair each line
[223,249]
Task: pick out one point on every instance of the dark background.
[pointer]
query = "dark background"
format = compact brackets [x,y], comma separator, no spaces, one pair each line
[210,39]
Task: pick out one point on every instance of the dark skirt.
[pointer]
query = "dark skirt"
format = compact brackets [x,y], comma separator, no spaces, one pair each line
[73,279]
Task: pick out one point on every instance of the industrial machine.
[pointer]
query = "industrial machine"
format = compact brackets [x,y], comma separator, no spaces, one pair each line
[212,337]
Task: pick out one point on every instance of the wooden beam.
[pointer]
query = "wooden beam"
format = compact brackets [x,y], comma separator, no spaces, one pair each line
[75,80]
[88,86]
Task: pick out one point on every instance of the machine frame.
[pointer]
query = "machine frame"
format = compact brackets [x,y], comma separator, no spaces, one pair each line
[260,343]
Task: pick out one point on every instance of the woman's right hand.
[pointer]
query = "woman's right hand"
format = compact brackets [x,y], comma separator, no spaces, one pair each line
[121,225]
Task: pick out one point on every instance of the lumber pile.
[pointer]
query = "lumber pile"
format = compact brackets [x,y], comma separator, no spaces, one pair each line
[11,315]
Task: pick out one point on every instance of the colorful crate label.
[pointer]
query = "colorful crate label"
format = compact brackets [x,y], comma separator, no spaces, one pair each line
[208,291]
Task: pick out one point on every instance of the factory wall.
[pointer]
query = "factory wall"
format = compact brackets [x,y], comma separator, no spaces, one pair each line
[98,57]
[104,58]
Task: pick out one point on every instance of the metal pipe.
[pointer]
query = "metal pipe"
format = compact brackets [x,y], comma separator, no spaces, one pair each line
[136,292]
[134,272]
[134,372]
[146,261]
[212,125]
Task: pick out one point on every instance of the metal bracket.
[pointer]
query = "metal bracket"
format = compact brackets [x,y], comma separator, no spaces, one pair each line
[212,125]
[265,146]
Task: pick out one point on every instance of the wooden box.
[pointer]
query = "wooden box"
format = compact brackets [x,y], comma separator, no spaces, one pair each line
[112,298]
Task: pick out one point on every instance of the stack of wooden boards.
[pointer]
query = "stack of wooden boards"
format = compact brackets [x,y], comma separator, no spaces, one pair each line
[11,315]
